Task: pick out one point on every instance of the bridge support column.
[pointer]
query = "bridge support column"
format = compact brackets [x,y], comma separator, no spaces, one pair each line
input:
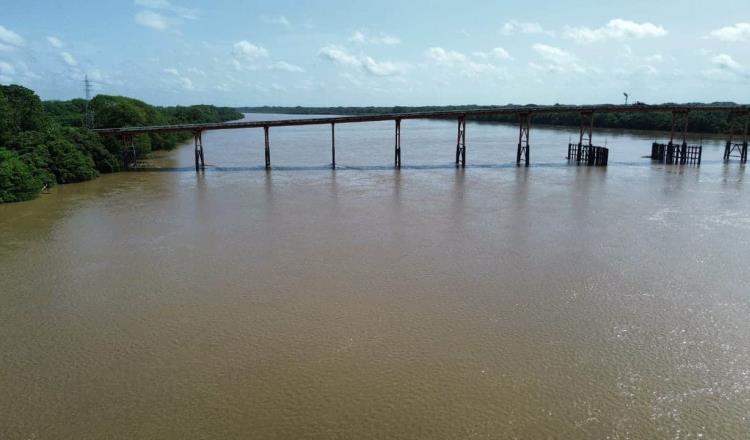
[680,120]
[333,145]
[397,147]
[129,157]
[738,125]
[461,142]
[198,140]
[586,133]
[268,148]
[523,138]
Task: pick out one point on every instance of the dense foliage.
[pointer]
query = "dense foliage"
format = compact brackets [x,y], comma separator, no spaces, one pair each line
[45,143]
[700,122]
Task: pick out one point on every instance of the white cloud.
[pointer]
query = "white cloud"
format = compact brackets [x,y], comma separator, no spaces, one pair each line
[443,56]
[248,51]
[385,68]
[10,40]
[339,55]
[68,59]
[726,62]
[725,68]
[520,27]
[55,42]
[152,20]
[738,32]
[362,37]
[466,66]
[557,60]
[165,5]
[285,67]
[183,81]
[279,20]
[617,29]
[655,58]
[497,53]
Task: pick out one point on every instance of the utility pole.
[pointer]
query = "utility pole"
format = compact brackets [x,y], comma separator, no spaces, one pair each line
[89,117]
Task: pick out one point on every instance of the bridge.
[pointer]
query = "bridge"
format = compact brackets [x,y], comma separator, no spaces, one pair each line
[675,151]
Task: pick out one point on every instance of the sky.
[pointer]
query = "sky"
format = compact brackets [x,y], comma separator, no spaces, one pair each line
[384,53]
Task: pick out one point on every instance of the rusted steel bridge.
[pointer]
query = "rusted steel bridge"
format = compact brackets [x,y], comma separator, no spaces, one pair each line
[584,152]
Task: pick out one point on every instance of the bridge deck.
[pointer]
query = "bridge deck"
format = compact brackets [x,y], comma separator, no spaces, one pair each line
[424,115]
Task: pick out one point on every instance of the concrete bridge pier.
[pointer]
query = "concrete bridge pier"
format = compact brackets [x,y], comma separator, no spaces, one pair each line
[522,153]
[198,141]
[461,142]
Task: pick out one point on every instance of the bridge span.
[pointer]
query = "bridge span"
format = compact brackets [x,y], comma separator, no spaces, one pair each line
[675,151]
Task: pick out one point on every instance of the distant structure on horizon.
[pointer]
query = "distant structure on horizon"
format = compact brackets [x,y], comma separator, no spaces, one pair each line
[89,115]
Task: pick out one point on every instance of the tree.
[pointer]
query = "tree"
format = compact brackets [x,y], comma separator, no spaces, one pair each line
[17,181]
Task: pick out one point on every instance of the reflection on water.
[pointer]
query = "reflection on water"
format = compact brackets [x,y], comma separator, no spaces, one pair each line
[370,302]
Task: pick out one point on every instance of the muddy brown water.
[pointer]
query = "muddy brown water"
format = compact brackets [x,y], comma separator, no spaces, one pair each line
[367,302]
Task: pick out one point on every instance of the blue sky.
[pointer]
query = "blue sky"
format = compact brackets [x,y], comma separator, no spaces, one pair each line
[325,53]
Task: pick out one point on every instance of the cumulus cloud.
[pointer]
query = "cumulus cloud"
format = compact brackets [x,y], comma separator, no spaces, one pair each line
[10,40]
[617,29]
[68,59]
[249,56]
[367,64]
[556,60]
[738,32]
[725,68]
[726,62]
[524,27]
[55,42]
[464,64]
[248,51]
[362,37]
[443,56]
[152,20]
[278,20]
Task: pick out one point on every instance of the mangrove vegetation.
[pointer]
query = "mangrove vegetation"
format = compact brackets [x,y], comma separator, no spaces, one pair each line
[47,143]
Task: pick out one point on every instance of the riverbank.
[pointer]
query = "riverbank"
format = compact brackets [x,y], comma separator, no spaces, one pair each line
[43,144]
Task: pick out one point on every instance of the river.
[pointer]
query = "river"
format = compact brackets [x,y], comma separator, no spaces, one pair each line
[429,302]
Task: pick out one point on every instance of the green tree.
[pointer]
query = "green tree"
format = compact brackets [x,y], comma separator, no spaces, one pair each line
[17,181]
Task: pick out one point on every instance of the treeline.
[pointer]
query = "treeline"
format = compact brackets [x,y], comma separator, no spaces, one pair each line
[45,143]
[700,122]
